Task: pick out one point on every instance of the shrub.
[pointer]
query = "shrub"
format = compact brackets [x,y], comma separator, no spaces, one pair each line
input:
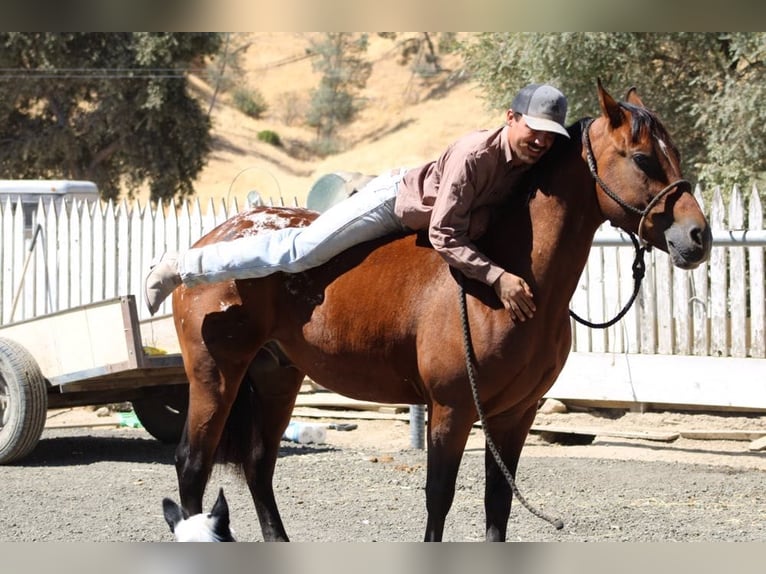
[249,102]
[270,137]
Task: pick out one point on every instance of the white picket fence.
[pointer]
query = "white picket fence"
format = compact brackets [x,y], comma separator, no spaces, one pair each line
[716,310]
[90,252]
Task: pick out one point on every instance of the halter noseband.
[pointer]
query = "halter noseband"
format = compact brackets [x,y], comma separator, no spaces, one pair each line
[641,212]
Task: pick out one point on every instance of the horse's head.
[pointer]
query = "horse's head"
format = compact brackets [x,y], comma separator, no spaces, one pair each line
[639,182]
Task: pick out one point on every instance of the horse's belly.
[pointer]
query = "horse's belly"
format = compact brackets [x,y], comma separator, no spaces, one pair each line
[359,361]
[361,378]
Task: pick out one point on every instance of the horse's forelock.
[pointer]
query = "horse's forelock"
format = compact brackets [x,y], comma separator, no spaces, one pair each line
[644,123]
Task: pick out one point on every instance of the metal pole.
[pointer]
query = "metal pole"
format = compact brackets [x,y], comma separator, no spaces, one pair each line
[38,229]
[721,237]
[417,426]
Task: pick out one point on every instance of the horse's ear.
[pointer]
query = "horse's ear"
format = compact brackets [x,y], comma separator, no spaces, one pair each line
[632,97]
[221,507]
[609,107]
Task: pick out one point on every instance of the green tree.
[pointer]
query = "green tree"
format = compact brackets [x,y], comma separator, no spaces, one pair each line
[340,60]
[709,88]
[113,108]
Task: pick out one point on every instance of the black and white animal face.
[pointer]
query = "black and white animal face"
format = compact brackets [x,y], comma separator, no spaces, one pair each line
[211,527]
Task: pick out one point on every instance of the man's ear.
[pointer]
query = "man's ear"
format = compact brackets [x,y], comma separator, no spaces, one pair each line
[508,116]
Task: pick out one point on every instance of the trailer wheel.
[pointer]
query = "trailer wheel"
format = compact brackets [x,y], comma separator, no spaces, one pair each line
[23,402]
[164,416]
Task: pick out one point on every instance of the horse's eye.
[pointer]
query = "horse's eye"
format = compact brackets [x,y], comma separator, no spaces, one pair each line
[641,160]
[647,164]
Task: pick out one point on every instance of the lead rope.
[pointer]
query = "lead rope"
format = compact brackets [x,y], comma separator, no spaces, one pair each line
[469,363]
[639,268]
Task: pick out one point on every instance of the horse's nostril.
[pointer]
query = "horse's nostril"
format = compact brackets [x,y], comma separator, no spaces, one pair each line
[696,235]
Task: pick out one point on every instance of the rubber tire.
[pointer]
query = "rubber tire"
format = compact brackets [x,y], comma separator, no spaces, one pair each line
[164,416]
[24,407]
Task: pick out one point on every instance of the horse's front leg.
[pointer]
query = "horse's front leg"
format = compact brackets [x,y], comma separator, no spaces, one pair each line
[508,434]
[447,436]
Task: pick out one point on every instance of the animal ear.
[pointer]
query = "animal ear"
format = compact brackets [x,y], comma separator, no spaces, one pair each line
[173,513]
[632,97]
[221,507]
[609,107]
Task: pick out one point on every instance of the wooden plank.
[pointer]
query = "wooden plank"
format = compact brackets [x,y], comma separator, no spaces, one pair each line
[81,425]
[755,256]
[89,247]
[601,378]
[719,339]
[646,306]
[309,412]
[333,400]
[581,335]
[663,286]
[596,300]
[110,252]
[658,436]
[682,312]
[699,300]
[77,339]
[629,325]
[722,434]
[737,283]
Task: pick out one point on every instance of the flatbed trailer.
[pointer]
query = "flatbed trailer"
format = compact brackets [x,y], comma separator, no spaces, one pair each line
[94,354]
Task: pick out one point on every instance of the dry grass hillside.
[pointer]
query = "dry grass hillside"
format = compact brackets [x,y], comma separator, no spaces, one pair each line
[406,121]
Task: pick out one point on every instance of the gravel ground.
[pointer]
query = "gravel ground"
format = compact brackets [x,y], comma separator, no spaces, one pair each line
[106,484]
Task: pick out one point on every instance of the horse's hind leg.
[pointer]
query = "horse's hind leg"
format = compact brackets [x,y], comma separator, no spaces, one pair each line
[274,391]
[210,401]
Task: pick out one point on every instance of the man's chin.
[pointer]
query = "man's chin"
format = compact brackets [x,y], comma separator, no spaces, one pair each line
[530,159]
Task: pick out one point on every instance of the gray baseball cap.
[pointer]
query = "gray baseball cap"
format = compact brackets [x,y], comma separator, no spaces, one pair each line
[544,108]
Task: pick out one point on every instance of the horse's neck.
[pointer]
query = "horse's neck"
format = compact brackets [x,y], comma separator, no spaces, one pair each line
[564,217]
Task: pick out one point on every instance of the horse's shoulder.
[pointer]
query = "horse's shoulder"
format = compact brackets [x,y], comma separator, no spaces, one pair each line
[258,219]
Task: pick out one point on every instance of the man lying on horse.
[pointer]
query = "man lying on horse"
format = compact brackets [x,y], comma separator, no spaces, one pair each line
[449,197]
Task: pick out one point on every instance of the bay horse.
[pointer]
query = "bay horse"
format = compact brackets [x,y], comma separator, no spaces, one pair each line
[382,321]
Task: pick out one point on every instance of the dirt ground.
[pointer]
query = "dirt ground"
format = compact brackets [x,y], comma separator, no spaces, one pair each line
[92,480]
[698,442]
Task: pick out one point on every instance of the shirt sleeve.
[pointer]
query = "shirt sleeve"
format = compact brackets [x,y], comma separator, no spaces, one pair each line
[449,229]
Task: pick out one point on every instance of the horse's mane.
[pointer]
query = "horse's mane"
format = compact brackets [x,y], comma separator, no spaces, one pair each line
[537,177]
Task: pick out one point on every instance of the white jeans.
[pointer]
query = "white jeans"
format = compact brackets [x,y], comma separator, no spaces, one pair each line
[366,215]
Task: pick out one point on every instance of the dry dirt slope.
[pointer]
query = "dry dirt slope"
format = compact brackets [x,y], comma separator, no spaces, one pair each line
[400,125]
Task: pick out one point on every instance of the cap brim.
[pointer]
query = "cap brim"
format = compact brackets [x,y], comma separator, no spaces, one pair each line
[545,125]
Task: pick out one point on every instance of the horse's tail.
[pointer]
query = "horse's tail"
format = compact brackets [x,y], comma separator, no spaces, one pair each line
[242,436]
[236,440]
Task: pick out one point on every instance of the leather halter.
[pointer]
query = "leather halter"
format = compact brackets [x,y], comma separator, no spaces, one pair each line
[641,212]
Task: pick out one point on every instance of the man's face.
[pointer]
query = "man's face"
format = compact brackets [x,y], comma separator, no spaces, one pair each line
[527,145]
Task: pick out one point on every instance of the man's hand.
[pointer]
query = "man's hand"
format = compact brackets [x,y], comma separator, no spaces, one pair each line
[516,296]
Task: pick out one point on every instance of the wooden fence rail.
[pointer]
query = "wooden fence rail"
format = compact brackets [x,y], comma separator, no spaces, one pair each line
[83,253]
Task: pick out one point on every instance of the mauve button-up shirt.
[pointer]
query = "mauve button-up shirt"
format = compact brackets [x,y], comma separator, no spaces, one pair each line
[451,198]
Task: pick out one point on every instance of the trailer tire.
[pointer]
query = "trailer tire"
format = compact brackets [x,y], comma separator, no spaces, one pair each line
[23,401]
[164,416]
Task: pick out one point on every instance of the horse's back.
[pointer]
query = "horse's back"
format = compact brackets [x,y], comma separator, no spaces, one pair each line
[257,220]
[361,312]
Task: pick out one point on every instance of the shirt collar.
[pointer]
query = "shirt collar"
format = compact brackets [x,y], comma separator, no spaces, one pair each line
[504,145]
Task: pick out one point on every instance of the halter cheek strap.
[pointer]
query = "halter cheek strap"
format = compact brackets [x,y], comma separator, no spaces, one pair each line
[642,213]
